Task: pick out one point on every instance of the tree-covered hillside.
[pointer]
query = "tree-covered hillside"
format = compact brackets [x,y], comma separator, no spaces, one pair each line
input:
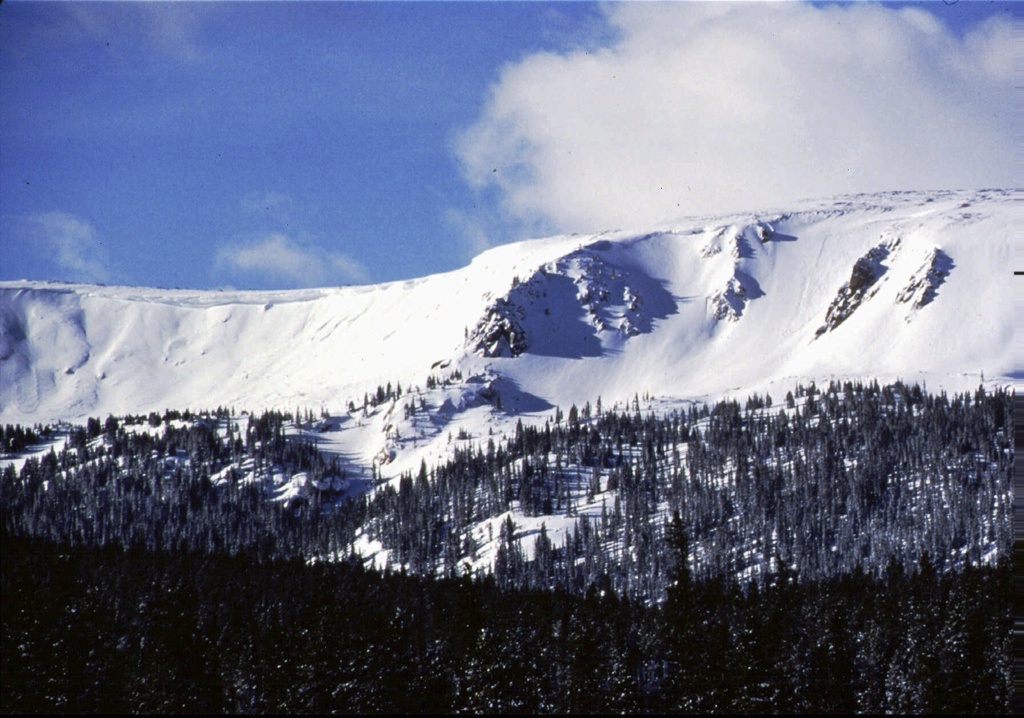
[841,549]
[821,483]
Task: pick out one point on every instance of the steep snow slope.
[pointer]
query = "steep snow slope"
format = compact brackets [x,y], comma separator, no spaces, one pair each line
[704,307]
[749,293]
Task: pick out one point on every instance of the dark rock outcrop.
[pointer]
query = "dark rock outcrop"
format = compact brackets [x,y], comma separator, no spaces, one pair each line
[867,270]
[925,282]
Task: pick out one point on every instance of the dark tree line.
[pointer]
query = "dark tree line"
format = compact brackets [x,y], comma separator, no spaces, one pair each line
[15,439]
[96,630]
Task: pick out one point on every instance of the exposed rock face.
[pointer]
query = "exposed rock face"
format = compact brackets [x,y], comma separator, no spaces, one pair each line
[925,282]
[730,301]
[611,303]
[732,248]
[500,333]
[867,270]
[710,250]
[564,305]
[764,231]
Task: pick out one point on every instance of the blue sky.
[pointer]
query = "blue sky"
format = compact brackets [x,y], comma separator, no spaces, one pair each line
[274,145]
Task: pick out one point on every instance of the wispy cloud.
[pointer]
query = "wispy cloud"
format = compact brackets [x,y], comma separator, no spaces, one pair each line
[709,107]
[168,29]
[472,229]
[174,30]
[279,258]
[72,245]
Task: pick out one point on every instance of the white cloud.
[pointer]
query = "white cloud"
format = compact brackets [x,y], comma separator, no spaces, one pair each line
[280,258]
[348,268]
[71,243]
[727,106]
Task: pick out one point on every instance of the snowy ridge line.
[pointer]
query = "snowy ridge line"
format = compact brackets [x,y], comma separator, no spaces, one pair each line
[690,309]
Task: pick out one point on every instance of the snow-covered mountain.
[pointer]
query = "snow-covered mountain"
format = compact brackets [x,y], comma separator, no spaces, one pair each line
[391,378]
[911,285]
[545,418]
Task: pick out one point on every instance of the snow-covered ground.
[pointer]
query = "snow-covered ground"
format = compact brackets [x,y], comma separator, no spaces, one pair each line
[703,308]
